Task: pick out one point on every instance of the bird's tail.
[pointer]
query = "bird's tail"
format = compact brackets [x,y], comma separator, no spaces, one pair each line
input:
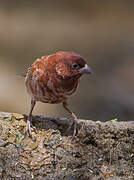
[21,74]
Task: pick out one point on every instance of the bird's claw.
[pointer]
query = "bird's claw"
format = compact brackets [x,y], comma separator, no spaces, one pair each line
[28,128]
[73,123]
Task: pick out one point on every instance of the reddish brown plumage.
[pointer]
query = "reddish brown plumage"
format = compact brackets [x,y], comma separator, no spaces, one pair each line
[53,78]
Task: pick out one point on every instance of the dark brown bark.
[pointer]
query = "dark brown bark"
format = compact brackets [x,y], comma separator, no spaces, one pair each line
[99,151]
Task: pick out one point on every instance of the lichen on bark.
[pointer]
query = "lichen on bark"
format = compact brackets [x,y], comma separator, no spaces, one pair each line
[99,151]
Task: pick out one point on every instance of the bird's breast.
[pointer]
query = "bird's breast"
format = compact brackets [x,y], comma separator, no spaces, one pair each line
[51,89]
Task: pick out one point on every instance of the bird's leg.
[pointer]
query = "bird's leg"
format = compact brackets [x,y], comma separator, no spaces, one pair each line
[65,105]
[29,120]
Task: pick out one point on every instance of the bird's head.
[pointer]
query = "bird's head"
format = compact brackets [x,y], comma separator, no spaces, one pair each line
[70,64]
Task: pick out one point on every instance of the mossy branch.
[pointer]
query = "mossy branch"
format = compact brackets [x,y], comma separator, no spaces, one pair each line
[99,150]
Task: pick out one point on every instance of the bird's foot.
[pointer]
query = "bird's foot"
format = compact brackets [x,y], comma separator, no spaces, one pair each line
[73,123]
[29,125]
[28,129]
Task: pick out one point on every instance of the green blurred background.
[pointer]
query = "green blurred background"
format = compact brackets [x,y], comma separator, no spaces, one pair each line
[101,31]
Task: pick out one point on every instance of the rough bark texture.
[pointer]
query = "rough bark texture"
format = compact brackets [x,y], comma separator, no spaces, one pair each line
[100,150]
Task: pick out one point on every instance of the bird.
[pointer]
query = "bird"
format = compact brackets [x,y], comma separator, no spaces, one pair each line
[53,79]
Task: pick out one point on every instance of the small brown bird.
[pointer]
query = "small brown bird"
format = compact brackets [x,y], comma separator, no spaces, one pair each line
[52,79]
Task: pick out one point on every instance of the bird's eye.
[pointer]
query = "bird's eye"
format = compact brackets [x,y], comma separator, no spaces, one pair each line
[75,65]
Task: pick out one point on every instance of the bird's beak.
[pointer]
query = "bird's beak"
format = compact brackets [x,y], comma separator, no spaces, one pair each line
[85,70]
